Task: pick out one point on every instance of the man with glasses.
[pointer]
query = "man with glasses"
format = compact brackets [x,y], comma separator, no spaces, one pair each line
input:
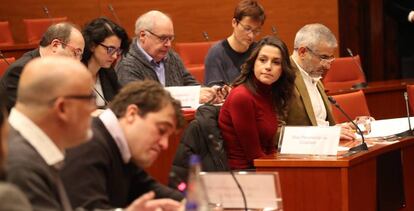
[313,54]
[224,59]
[52,113]
[59,39]
[150,56]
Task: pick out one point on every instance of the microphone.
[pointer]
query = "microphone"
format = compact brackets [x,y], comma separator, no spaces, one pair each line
[205,35]
[274,30]
[4,58]
[408,113]
[363,146]
[362,84]
[111,8]
[46,11]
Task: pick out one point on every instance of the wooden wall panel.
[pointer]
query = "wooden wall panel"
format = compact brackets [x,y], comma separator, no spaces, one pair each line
[190,18]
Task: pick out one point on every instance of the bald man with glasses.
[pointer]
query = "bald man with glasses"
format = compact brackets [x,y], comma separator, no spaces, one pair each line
[313,54]
[150,56]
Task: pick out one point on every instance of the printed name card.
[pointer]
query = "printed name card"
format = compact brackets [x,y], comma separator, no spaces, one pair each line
[311,140]
[188,95]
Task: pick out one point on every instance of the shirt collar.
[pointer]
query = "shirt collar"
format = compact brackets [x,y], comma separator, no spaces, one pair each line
[37,138]
[111,123]
[306,75]
[149,57]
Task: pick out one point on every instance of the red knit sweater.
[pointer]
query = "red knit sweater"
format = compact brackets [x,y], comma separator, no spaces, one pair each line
[248,123]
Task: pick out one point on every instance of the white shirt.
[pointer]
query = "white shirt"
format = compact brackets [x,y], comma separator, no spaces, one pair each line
[318,105]
[43,145]
[111,123]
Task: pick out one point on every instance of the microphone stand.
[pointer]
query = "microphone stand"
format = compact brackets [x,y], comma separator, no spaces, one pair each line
[363,146]
[111,8]
[362,84]
[410,131]
[4,58]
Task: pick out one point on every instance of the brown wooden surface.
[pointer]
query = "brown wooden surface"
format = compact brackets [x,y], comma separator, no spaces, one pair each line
[385,98]
[190,18]
[336,182]
[162,166]
[17,50]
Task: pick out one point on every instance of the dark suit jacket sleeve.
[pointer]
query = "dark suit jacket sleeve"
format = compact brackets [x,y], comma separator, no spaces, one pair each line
[35,188]
[10,82]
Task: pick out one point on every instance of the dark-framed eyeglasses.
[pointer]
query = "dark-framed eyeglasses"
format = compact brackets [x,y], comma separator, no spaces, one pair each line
[249,29]
[323,58]
[162,38]
[110,50]
[77,52]
[91,98]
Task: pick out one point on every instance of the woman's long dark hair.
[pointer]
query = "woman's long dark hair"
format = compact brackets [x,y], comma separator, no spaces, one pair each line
[97,31]
[3,120]
[282,89]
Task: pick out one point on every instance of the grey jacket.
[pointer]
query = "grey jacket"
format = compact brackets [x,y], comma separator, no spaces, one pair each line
[135,66]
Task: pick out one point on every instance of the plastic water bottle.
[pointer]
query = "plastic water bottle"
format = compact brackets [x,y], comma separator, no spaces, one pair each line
[196,194]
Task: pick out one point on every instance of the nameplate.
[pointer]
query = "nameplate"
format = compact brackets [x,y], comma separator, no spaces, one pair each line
[262,190]
[189,96]
[311,140]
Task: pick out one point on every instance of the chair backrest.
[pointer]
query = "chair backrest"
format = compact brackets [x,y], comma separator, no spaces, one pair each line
[6,37]
[35,28]
[343,74]
[410,92]
[197,72]
[354,104]
[193,53]
[4,65]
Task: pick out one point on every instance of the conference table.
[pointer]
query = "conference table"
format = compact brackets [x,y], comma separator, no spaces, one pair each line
[365,181]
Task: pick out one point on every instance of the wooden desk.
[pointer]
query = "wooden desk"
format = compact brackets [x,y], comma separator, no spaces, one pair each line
[337,183]
[385,98]
[17,50]
[161,168]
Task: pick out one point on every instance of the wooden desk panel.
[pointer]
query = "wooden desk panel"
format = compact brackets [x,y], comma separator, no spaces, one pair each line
[337,183]
[17,50]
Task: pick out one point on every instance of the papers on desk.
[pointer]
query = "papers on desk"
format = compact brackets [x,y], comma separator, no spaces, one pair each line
[189,96]
[388,127]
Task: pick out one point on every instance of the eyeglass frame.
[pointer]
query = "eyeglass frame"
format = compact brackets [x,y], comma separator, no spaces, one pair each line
[91,97]
[248,29]
[110,50]
[323,58]
[77,52]
[162,38]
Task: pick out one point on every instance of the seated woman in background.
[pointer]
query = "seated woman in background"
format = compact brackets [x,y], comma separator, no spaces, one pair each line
[11,198]
[105,41]
[249,117]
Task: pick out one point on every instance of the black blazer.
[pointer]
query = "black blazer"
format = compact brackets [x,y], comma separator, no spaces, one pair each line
[109,83]
[11,77]
[95,175]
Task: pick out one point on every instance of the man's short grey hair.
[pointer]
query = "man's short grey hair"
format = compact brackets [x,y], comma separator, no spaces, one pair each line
[147,20]
[312,34]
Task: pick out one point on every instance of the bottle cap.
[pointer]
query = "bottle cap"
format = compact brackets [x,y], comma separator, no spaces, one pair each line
[194,159]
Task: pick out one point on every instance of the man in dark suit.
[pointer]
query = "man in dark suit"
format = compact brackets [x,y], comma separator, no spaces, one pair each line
[59,39]
[313,53]
[52,113]
[403,12]
[108,171]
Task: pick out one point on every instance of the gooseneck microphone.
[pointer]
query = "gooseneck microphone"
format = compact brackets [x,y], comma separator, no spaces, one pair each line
[111,8]
[46,11]
[362,84]
[408,113]
[363,146]
[274,30]
[4,58]
[205,35]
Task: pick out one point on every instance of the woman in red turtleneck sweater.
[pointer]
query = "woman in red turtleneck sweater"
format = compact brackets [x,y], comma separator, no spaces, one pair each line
[249,117]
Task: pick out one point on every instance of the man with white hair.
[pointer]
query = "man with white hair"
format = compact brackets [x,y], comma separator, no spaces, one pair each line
[313,54]
[150,56]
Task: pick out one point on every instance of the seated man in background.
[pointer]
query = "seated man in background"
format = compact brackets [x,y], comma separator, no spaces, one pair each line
[108,171]
[313,54]
[59,39]
[52,113]
[223,61]
[150,56]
